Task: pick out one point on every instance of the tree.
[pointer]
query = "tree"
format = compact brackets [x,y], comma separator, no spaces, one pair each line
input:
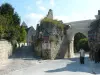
[16,19]
[7,11]
[2,26]
[10,28]
[77,37]
[13,32]
[10,22]
[1,31]
[22,35]
[3,20]
[83,43]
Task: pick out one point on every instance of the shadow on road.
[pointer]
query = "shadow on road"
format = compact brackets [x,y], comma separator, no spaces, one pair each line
[75,66]
[25,53]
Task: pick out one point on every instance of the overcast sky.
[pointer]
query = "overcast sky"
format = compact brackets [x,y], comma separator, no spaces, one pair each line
[31,11]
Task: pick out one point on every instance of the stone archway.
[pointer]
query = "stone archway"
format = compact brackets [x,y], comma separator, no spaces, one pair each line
[80,38]
[75,27]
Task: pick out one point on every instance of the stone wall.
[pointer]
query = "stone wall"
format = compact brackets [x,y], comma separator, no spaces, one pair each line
[54,50]
[46,54]
[57,50]
[5,50]
[38,50]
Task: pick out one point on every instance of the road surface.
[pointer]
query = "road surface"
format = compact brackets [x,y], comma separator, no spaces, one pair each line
[50,67]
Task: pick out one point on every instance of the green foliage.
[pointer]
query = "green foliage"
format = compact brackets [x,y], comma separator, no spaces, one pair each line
[2,26]
[16,19]
[77,37]
[9,23]
[3,20]
[7,11]
[54,22]
[1,31]
[13,32]
[10,28]
[22,35]
[83,43]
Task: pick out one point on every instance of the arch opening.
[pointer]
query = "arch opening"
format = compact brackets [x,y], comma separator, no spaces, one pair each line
[80,41]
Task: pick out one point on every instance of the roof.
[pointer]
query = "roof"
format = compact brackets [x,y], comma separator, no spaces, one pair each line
[23,24]
[30,28]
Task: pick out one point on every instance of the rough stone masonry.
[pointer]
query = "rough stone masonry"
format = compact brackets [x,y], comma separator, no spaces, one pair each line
[5,50]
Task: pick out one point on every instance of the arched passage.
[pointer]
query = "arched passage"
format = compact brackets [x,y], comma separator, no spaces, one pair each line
[80,41]
[75,27]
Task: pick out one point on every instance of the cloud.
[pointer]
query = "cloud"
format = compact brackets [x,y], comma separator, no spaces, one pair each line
[42,8]
[52,3]
[40,5]
[33,19]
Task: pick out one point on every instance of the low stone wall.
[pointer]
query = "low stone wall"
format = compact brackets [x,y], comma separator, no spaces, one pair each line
[5,50]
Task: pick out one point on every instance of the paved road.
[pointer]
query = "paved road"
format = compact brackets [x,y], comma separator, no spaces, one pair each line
[22,58]
[50,67]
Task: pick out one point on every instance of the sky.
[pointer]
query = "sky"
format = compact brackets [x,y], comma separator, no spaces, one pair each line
[32,11]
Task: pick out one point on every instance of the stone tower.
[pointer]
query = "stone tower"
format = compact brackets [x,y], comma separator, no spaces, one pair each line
[50,14]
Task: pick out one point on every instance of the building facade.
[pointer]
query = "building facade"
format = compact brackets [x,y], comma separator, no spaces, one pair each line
[30,36]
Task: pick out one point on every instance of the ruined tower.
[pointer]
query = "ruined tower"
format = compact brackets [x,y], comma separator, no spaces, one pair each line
[98,16]
[50,14]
